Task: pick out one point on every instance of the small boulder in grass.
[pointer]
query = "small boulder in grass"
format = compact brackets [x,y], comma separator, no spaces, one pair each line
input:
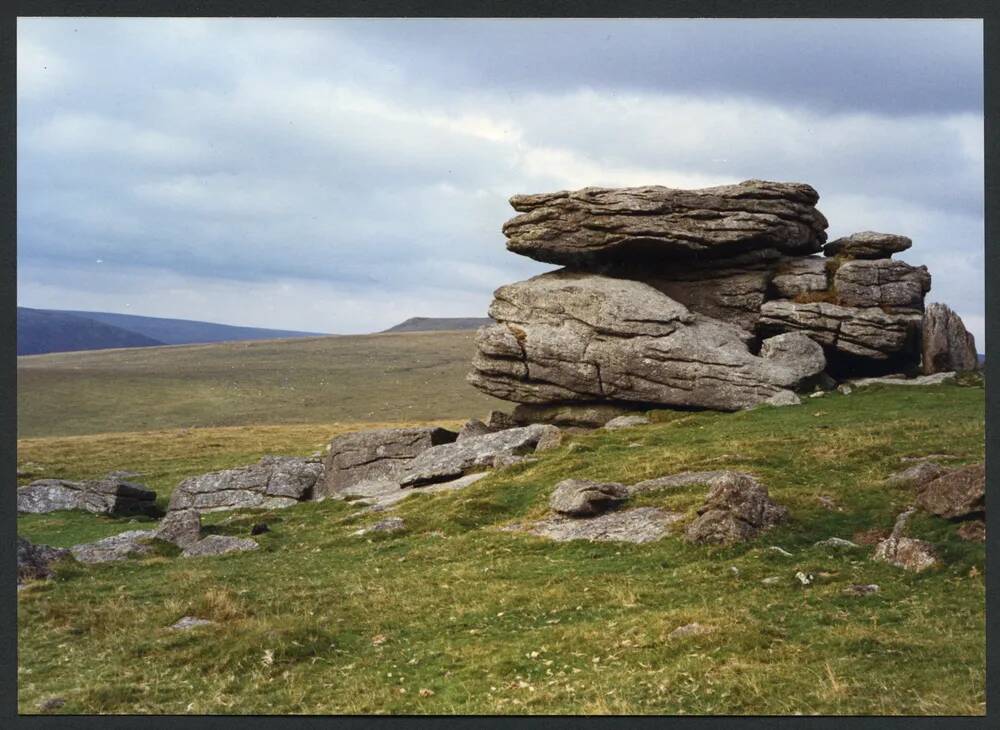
[858,589]
[905,552]
[736,509]
[180,527]
[585,497]
[692,629]
[218,545]
[629,421]
[973,531]
[917,475]
[957,494]
[190,622]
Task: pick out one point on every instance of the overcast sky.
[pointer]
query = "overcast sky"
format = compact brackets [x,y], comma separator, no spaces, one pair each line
[343,175]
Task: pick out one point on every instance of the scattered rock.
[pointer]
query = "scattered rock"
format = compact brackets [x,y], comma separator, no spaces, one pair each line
[917,475]
[957,494]
[779,550]
[857,589]
[218,545]
[681,479]
[904,552]
[836,542]
[817,394]
[946,345]
[133,543]
[586,498]
[375,455]
[551,439]
[844,389]
[783,398]
[804,578]
[771,580]
[626,422]
[639,525]
[389,524]
[935,379]
[449,461]
[500,421]
[692,629]
[190,622]
[473,427]
[275,481]
[973,531]
[867,245]
[107,496]
[181,527]
[34,562]
[389,493]
[736,509]
[259,529]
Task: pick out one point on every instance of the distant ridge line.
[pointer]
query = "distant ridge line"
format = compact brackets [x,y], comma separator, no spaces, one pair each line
[435,324]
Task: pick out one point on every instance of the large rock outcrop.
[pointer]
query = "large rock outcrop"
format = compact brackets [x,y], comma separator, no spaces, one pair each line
[669,298]
[377,455]
[275,481]
[568,336]
[947,346]
[599,224]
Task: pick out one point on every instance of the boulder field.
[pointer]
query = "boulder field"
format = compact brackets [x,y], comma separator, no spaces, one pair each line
[721,298]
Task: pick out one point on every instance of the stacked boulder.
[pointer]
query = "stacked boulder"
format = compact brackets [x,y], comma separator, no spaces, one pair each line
[711,298]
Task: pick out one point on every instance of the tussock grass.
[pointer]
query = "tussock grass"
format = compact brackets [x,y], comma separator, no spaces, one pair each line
[487,621]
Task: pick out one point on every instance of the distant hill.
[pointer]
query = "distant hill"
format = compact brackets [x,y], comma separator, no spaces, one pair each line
[434,324]
[52,330]
[40,331]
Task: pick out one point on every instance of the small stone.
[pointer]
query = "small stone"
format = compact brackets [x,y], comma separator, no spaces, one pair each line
[956,494]
[424,692]
[917,475]
[779,551]
[692,629]
[190,622]
[783,398]
[844,389]
[804,578]
[817,394]
[771,581]
[861,589]
[181,527]
[132,543]
[734,571]
[218,545]
[907,553]
[51,703]
[630,421]
[837,543]
[389,524]
[585,497]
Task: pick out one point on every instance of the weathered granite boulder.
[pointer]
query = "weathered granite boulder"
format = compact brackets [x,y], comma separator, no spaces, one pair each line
[585,497]
[638,525]
[566,336]
[34,562]
[275,481]
[946,345]
[449,461]
[592,225]
[916,475]
[736,509]
[796,277]
[867,245]
[129,544]
[957,494]
[181,527]
[887,283]
[905,552]
[864,332]
[472,427]
[375,455]
[218,545]
[110,495]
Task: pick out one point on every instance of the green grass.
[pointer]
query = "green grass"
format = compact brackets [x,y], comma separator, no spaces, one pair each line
[413,376]
[319,621]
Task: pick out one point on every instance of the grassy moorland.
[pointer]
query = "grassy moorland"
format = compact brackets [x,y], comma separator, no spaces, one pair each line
[356,378]
[452,615]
